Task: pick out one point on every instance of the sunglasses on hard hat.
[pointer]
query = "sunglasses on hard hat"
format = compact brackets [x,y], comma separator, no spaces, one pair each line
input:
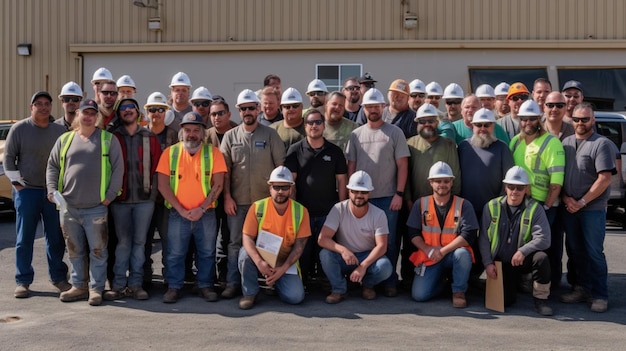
[519,97]
[71,98]
[156,109]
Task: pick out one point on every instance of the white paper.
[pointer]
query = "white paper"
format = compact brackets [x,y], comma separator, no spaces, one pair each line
[269,242]
[292,270]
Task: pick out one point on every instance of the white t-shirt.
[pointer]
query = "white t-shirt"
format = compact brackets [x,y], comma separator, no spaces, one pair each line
[356,234]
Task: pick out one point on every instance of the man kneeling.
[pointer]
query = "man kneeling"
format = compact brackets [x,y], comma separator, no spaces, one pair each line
[360,234]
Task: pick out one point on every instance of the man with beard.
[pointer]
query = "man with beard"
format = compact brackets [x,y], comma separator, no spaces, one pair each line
[464,128]
[518,93]
[200,101]
[486,96]
[316,92]
[108,97]
[191,177]
[251,151]
[417,94]
[338,128]
[442,226]
[501,107]
[380,149]
[453,96]
[354,241]
[352,90]
[71,96]
[554,111]
[132,209]
[291,128]
[283,219]
[398,112]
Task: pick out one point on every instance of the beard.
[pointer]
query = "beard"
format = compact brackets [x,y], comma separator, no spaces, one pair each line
[354,99]
[483,141]
[359,202]
[192,144]
[281,199]
[428,132]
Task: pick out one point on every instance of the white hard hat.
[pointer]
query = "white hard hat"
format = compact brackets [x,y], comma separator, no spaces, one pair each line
[281,174]
[440,170]
[529,108]
[247,96]
[291,96]
[201,93]
[417,86]
[360,181]
[102,74]
[453,91]
[502,89]
[483,115]
[71,89]
[426,110]
[485,91]
[516,175]
[316,85]
[126,81]
[156,99]
[180,79]
[373,96]
[434,89]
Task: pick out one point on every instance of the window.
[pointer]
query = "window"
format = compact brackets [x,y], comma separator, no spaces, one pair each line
[494,76]
[603,87]
[333,75]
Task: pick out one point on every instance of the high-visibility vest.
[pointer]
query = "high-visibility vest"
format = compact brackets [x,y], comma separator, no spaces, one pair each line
[525,234]
[105,173]
[206,166]
[433,233]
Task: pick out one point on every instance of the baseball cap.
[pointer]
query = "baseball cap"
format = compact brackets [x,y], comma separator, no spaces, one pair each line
[400,85]
[39,94]
[192,118]
[572,84]
[517,88]
[88,103]
[367,78]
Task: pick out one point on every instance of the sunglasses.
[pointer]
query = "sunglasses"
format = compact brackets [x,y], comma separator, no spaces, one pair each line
[127,107]
[352,88]
[528,118]
[433,97]
[247,108]
[453,102]
[581,119]
[71,98]
[417,95]
[281,187]
[290,106]
[522,97]
[441,180]
[316,93]
[201,103]
[111,93]
[426,120]
[513,187]
[359,192]
[156,109]
[218,113]
[483,125]
[558,105]
[317,122]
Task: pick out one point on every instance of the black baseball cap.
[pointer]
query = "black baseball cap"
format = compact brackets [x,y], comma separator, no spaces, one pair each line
[39,94]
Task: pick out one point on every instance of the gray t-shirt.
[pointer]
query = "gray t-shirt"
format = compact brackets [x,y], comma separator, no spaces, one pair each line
[356,234]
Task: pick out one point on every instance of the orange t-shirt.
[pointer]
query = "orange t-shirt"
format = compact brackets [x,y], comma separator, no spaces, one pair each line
[190,184]
[278,225]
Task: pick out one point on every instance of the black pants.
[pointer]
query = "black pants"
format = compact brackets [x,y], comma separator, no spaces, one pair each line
[537,263]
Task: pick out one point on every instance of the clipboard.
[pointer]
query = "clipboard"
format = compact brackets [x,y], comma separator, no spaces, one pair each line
[494,291]
[268,245]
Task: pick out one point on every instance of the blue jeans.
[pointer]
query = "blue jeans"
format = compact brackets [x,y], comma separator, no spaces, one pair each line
[289,287]
[585,231]
[431,284]
[336,268]
[235,223]
[87,235]
[179,234]
[32,206]
[392,251]
[131,225]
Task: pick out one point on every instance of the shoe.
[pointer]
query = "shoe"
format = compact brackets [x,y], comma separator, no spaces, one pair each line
[541,306]
[599,305]
[247,302]
[368,293]
[390,291]
[138,293]
[95,297]
[575,296]
[21,291]
[208,294]
[74,294]
[230,292]
[458,300]
[63,285]
[335,298]
[112,295]
[171,295]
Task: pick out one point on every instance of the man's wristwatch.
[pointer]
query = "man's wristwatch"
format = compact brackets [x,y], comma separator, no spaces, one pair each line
[582,201]
[400,193]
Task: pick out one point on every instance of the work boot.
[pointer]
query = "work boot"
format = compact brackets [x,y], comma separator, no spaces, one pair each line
[599,305]
[247,302]
[95,297]
[138,293]
[390,291]
[74,294]
[115,294]
[335,298]
[458,300]
[575,296]
[21,291]
[230,292]
[368,293]
[63,285]
[171,295]
[208,294]
[541,306]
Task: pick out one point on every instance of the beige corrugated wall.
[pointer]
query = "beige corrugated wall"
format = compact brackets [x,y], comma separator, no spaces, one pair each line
[51,26]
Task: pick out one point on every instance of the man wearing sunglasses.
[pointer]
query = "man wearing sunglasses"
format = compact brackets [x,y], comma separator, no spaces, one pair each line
[464,129]
[291,128]
[71,96]
[573,93]
[317,92]
[500,105]
[453,96]
[352,91]
[417,94]
[518,93]
[515,231]
[554,112]
[590,163]
[108,97]
[284,220]
[200,102]
[100,76]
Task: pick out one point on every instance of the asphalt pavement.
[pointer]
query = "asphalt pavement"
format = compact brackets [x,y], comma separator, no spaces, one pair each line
[43,322]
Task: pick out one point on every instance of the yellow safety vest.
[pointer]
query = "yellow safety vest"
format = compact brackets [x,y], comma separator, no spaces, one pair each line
[525,226]
[206,165]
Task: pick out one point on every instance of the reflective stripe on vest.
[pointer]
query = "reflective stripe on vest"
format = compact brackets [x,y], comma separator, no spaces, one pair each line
[537,166]
[105,164]
[524,235]
[206,166]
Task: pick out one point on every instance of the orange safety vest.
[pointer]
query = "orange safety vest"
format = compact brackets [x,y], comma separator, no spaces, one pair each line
[432,232]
